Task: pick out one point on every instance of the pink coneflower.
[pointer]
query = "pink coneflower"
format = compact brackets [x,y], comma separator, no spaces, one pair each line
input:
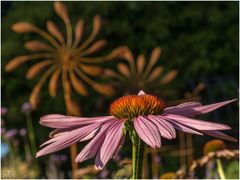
[143,114]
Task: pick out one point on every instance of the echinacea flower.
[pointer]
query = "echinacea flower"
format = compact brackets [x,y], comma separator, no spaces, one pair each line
[140,73]
[63,57]
[143,113]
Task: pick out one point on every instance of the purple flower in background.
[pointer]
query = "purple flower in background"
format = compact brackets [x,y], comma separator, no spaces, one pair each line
[56,157]
[103,174]
[145,114]
[23,132]
[11,133]
[157,159]
[63,157]
[59,157]
[4,110]
[26,107]
[3,130]
[117,157]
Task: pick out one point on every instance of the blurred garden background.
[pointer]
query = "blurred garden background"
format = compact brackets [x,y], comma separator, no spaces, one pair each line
[199,44]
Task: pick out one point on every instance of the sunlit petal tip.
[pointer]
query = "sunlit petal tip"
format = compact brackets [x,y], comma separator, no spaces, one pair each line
[36,68]
[211,107]
[96,24]
[140,63]
[98,168]
[141,93]
[23,27]
[123,69]
[78,85]
[77,160]
[34,96]
[54,30]
[35,45]
[117,52]
[155,74]
[16,62]
[104,89]
[154,56]
[169,77]
[61,10]
[38,155]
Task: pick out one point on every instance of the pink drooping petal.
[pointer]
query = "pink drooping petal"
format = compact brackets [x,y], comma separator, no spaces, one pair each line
[120,145]
[110,144]
[185,109]
[147,131]
[94,145]
[66,139]
[211,107]
[219,135]
[168,126]
[183,128]
[141,133]
[57,133]
[165,128]
[90,135]
[61,121]
[52,140]
[183,105]
[196,124]
[190,109]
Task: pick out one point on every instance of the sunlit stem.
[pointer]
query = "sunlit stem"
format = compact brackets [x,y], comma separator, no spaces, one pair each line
[137,155]
[220,169]
[28,155]
[31,136]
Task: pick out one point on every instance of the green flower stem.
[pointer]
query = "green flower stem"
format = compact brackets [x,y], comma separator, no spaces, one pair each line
[31,136]
[137,155]
[220,169]
[28,155]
